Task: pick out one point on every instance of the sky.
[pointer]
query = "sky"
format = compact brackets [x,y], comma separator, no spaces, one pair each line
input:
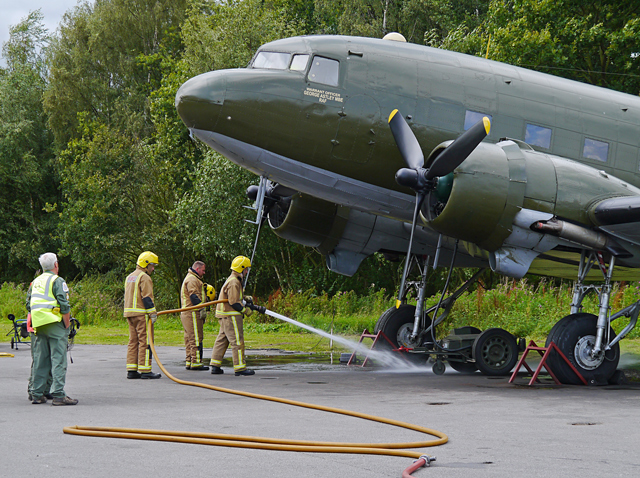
[13,11]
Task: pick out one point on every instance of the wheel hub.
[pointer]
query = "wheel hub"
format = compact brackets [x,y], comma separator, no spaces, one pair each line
[583,353]
[404,336]
[496,352]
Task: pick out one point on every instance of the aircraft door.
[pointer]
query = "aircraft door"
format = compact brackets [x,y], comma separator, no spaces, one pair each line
[358,129]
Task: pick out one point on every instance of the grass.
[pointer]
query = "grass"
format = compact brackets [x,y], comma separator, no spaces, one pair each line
[524,309]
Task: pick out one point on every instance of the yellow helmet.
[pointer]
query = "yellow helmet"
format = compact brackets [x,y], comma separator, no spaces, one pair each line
[240,263]
[211,292]
[146,258]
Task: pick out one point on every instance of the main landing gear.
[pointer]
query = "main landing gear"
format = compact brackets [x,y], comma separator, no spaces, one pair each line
[493,352]
[588,340]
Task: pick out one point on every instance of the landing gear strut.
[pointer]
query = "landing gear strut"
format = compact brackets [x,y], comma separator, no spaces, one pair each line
[467,349]
[587,340]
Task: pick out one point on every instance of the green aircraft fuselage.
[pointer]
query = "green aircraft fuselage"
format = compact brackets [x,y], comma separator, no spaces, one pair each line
[323,102]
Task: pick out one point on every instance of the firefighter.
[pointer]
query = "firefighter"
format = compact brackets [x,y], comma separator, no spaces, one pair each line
[192,293]
[230,316]
[48,303]
[138,306]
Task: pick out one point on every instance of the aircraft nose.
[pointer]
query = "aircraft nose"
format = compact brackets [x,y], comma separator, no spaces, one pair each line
[199,100]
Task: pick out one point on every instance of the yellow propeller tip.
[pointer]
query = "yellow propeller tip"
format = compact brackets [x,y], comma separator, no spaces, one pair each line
[398,304]
[393,113]
[487,124]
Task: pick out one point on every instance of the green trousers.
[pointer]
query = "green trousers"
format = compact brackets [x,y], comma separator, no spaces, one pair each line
[50,358]
[47,388]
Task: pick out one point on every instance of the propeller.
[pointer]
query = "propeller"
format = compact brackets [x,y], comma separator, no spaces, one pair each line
[422,180]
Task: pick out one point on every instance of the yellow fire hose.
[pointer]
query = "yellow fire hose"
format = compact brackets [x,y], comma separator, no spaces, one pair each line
[240,441]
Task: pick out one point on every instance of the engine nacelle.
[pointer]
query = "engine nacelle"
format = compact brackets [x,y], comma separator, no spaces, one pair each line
[494,198]
[309,221]
[481,201]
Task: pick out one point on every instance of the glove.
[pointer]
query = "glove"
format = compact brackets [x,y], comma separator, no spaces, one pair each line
[258,308]
[153,317]
[248,299]
[248,311]
[203,314]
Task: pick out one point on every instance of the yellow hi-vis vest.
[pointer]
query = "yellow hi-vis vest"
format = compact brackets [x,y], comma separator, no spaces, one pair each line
[44,306]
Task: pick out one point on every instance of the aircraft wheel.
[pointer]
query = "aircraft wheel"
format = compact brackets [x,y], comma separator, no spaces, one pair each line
[495,352]
[575,336]
[463,367]
[397,325]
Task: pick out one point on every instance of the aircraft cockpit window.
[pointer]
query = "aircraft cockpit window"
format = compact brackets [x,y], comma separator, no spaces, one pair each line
[594,149]
[538,136]
[472,117]
[325,71]
[272,60]
[299,62]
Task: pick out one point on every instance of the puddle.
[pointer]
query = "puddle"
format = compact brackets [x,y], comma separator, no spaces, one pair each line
[290,362]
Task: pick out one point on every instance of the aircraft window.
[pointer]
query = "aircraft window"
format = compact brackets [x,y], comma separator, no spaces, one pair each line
[325,71]
[299,62]
[538,136]
[472,117]
[271,60]
[594,149]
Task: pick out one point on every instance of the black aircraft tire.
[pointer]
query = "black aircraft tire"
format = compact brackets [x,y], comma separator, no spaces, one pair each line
[392,319]
[390,323]
[495,352]
[574,336]
[463,367]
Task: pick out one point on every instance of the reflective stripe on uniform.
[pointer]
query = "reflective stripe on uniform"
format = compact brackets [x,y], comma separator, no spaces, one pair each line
[241,363]
[44,306]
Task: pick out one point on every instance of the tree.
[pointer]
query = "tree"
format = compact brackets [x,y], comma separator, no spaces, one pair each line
[29,182]
[594,42]
[95,65]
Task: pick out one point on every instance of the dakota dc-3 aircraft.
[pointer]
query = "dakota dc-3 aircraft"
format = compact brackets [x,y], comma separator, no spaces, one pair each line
[377,145]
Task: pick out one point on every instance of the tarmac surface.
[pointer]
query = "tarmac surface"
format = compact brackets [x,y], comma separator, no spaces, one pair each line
[495,429]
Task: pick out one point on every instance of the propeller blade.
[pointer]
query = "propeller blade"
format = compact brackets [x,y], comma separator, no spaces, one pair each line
[416,211]
[406,141]
[454,154]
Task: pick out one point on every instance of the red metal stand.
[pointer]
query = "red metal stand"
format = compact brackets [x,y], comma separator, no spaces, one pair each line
[543,363]
[376,338]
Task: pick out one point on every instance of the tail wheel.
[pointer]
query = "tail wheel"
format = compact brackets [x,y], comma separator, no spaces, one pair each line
[575,336]
[495,352]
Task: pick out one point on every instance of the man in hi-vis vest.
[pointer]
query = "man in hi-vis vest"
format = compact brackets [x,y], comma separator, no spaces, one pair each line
[230,316]
[193,293]
[48,303]
[138,304]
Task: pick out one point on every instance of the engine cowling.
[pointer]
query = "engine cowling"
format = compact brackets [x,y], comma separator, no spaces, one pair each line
[479,203]
[309,221]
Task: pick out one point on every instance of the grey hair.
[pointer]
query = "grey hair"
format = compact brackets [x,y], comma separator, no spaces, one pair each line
[48,261]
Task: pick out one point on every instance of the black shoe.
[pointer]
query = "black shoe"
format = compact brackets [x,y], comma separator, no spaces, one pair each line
[64,401]
[30,397]
[133,374]
[36,401]
[216,370]
[188,367]
[48,396]
[246,371]
[201,367]
[150,375]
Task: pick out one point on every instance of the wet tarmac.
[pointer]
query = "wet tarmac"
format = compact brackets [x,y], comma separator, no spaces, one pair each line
[496,429]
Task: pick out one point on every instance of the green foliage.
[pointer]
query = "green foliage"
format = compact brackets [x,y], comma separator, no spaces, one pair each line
[29,183]
[593,42]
